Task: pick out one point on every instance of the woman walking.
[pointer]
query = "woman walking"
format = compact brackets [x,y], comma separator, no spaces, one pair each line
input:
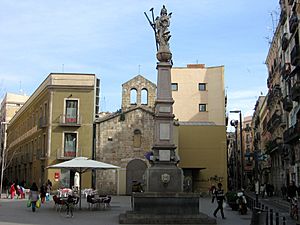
[12,191]
[43,191]
[34,195]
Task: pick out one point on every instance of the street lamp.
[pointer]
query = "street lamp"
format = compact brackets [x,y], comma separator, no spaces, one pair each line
[241,144]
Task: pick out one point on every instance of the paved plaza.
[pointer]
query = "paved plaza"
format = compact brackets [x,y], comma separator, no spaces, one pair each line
[13,212]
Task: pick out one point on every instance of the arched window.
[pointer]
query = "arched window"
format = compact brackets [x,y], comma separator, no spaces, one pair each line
[144,96]
[133,96]
[137,136]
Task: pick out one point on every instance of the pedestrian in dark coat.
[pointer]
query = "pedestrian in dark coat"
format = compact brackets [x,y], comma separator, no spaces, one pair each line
[220,197]
[292,190]
[43,191]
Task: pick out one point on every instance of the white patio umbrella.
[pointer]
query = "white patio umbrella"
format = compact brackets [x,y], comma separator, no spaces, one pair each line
[82,165]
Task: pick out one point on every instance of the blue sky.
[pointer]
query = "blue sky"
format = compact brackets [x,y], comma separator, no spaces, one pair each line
[112,38]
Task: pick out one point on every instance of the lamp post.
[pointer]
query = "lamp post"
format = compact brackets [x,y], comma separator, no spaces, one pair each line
[241,148]
[3,151]
[234,123]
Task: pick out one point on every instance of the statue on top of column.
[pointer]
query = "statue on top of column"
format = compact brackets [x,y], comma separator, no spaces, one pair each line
[162,34]
[162,24]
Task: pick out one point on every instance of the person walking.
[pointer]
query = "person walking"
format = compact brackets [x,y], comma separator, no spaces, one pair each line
[43,191]
[292,190]
[220,197]
[34,195]
[12,191]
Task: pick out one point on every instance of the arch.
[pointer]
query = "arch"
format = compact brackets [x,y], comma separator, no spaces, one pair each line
[133,96]
[135,170]
[137,138]
[144,96]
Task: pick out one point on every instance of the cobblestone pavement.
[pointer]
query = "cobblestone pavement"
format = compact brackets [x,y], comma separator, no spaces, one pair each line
[15,212]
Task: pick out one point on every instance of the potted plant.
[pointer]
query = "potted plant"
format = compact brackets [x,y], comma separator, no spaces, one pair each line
[231,197]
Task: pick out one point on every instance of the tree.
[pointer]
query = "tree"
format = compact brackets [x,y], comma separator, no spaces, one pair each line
[5,162]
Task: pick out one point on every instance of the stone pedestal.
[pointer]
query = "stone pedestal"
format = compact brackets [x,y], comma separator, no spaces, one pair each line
[164,178]
[165,208]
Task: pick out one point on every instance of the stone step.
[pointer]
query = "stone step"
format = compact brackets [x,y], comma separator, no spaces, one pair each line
[140,218]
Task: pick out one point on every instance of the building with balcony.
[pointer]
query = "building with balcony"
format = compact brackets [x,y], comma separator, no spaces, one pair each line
[281,143]
[290,151]
[261,160]
[55,124]
[247,149]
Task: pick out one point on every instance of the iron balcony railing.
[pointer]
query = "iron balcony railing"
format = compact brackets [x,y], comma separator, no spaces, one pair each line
[283,17]
[285,41]
[295,91]
[293,22]
[66,120]
[291,134]
[285,70]
[62,154]
[287,103]
[295,55]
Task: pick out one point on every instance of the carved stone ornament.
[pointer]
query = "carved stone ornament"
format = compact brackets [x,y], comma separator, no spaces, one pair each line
[165,178]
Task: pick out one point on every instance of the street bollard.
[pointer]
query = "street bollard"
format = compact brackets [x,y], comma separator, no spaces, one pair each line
[283,220]
[277,218]
[271,216]
[258,217]
[267,217]
[263,206]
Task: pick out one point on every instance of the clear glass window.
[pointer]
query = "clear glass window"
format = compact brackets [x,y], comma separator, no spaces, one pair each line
[71,111]
[202,107]
[174,87]
[202,86]
[70,144]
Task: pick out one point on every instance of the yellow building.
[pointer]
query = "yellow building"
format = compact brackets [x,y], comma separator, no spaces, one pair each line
[55,124]
[199,106]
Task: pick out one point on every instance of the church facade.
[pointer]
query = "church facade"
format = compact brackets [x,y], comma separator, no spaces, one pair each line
[124,138]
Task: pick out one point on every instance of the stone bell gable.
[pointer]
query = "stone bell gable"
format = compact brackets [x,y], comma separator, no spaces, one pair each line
[138,92]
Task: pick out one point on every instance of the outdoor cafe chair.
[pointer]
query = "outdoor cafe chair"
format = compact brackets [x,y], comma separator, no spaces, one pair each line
[91,201]
[106,201]
[58,203]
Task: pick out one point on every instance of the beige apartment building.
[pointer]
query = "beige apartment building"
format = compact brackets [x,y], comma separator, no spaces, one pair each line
[199,93]
[10,104]
[200,107]
[55,124]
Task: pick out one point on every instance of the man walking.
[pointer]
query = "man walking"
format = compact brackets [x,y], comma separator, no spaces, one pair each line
[219,195]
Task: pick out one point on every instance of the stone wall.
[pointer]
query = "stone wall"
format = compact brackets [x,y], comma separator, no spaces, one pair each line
[114,143]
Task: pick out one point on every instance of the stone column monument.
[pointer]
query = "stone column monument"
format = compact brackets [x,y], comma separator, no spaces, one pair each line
[164,201]
[163,175]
